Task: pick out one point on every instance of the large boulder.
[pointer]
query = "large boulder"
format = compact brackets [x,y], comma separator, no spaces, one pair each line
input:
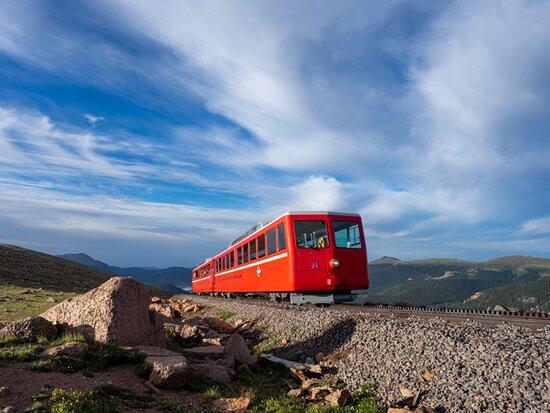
[116,312]
[30,329]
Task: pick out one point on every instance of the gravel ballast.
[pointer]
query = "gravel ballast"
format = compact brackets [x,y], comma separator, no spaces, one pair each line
[475,367]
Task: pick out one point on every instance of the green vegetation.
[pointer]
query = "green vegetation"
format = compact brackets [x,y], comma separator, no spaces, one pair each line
[224,314]
[99,357]
[32,269]
[266,346]
[18,302]
[103,398]
[519,282]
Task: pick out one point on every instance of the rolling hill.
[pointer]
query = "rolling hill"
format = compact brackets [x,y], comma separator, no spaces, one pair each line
[171,278]
[28,268]
[514,281]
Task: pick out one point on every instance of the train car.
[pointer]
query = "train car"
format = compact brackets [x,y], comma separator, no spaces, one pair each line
[311,257]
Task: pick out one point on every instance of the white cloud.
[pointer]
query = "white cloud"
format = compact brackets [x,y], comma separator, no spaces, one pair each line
[93,119]
[537,226]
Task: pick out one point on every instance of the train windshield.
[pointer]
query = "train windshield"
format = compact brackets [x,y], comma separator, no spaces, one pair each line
[346,234]
[311,234]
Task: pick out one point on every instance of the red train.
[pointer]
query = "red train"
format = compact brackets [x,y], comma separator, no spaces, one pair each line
[315,257]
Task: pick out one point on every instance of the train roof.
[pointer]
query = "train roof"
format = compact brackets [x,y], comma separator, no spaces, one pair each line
[261,225]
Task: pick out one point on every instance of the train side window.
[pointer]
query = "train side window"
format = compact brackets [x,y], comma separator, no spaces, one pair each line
[239,256]
[232,259]
[252,249]
[271,245]
[245,253]
[281,242]
[261,245]
[217,265]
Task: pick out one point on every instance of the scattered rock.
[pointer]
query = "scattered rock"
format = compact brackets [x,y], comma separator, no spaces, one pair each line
[428,375]
[30,329]
[191,334]
[219,325]
[212,352]
[406,392]
[316,393]
[163,309]
[116,312]
[73,350]
[168,372]
[156,300]
[238,404]
[237,350]
[340,397]
[295,392]
[215,371]
[4,391]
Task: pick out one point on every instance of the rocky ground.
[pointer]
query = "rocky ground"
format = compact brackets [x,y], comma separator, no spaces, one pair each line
[116,348]
[458,367]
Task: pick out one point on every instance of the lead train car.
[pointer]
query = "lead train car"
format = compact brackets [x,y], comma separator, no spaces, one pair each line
[317,257]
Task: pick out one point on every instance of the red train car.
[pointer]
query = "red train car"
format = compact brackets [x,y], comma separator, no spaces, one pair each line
[317,257]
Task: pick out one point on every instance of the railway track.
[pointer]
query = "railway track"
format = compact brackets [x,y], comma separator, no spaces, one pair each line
[525,319]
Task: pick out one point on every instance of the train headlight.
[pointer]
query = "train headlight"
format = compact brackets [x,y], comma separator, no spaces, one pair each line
[334,263]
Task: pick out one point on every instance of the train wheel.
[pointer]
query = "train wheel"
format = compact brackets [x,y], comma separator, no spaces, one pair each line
[275,297]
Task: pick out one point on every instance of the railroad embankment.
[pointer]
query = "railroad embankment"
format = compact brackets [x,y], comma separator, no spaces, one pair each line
[458,366]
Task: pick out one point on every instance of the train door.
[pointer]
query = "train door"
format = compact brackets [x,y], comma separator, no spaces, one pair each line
[312,242]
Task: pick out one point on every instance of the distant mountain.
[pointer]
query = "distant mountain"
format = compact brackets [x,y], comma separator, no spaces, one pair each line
[173,278]
[28,268]
[514,281]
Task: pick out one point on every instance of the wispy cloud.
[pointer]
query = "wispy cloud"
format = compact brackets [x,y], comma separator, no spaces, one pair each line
[417,115]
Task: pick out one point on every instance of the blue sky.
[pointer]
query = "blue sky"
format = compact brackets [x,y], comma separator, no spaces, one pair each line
[151,133]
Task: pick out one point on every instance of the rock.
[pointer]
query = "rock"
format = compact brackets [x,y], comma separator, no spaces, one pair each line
[238,404]
[315,393]
[27,292]
[4,391]
[156,300]
[219,325]
[73,350]
[168,372]
[214,371]
[398,410]
[309,360]
[284,341]
[151,351]
[237,350]
[8,409]
[30,329]
[212,341]
[116,312]
[319,357]
[212,352]
[51,300]
[163,309]
[308,383]
[191,334]
[295,392]
[428,375]
[406,392]
[340,397]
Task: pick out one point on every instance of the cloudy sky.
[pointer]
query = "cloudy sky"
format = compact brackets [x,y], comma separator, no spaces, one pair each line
[152,132]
